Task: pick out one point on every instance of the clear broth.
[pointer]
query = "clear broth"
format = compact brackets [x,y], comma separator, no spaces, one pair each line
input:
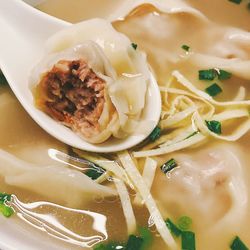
[18,142]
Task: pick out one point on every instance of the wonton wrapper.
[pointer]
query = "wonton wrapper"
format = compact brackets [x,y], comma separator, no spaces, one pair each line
[58,183]
[113,59]
[208,184]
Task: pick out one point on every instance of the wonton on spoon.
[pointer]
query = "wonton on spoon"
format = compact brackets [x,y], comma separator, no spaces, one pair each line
[93,80]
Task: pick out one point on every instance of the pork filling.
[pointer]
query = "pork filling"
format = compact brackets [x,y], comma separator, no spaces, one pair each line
[73,94]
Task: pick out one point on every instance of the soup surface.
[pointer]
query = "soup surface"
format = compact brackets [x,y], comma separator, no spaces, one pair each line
[210,183]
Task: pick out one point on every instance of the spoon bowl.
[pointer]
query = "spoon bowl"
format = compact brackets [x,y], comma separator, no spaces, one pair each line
[24,31]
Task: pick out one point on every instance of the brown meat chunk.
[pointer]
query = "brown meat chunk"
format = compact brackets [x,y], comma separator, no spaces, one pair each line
[72,93]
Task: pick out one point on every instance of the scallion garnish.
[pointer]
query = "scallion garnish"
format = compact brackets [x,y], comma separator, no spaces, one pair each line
[187,240]
[134,45]
[109,246]
[223,74]
[248,5]
[142,242]
[237,244]
[5,209]
[185,47]
[147,237]
[208,75]
[95,172]
[235,1]
[211,74]
[184,223]
[5,197]
[134,243]
[214,89]
[194,133]
[155,134]
[214,126]
[187,237]
[173,228]
[168,166]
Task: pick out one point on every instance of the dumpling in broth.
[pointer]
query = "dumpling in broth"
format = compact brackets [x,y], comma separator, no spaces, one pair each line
[59,183]
[208,184]
[92,80]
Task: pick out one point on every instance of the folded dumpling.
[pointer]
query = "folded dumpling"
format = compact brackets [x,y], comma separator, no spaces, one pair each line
[93,80]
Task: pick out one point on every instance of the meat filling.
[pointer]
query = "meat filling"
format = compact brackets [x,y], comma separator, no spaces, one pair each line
[73,94]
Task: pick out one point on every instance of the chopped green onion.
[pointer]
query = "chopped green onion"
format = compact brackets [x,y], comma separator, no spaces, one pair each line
[134,243]
[224,75]
[187,240]
[185,47]
[248,5]
[211,74]
[168,166]
[184,223]
[100,247]
[213,90]
[134,45]
[93,170]
[208,75]
[95,173]
[6,210]
[110,246]
[147,237]
[235,1]
[173,228]
[237,244]
[214,126]
[187,237]
[155,134]
[5,197]
[194,133]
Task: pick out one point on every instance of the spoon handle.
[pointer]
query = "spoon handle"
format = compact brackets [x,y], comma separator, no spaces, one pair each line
[23,33]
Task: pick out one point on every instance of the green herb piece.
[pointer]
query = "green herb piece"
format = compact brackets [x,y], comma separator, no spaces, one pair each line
[134,243]
[3,80]
[168,166]
[5,197]
[185,47]
[100,247]
[213,90]
[155,134]
[147,237]
[173,228]
[237,244]
[184,223]
[224,75]
[187,240]
[235,1]
[134,45]
[109,246]
[208,75]
[5,210]
[211,74]
[214,126]
[248,5]
[95,173]
[194,133]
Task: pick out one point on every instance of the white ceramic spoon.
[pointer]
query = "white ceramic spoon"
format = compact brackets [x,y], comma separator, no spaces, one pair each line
[23,32]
